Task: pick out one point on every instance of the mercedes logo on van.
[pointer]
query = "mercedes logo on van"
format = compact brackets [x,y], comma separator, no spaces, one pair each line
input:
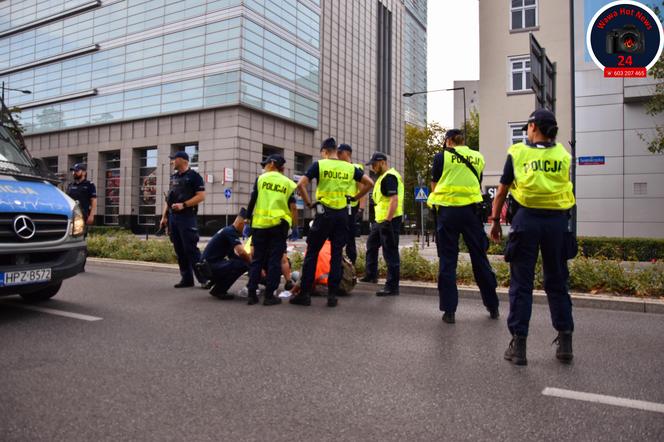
[24,227]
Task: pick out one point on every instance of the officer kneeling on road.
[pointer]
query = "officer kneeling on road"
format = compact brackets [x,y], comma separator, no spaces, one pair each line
[537,175]
[224,259]
[187,191]
[456,173]
[387,197]
[272,211]
[335,178]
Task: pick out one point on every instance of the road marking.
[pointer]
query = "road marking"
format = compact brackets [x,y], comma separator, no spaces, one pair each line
[603,399]
[52,311]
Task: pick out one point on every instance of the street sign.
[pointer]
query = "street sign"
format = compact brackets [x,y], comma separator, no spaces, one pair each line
[421,194]
[227,193]
[543,76]
[591,161]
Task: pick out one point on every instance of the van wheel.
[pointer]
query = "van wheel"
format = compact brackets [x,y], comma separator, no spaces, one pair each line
[42,295]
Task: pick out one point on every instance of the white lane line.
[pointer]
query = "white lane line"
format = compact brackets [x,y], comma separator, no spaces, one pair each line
[52,311]
[603,399]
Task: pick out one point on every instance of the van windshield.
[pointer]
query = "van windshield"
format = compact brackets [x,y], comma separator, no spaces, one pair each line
[12,157]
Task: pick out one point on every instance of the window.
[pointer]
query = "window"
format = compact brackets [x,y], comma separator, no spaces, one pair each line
[112,188]
[519,74]
[147,182]
[640,188]
[192,151]
[51,164]
[384,70]
[516,135]
[523,14]
[302,163]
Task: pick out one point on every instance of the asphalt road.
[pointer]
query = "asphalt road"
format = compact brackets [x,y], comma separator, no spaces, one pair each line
[165,364]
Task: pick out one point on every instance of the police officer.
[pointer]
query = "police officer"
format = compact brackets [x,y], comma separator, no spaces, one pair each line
[187,191]
[273,211]
[457,173]
[537,175]
[224,259]
[388,199]
[334,179]
[84,192]
[345,153]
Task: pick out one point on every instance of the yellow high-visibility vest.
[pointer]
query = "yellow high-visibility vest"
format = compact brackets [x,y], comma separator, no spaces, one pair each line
[274,190]
[355,187]
[334,180]
[382,202]
[541,177]
[458,186]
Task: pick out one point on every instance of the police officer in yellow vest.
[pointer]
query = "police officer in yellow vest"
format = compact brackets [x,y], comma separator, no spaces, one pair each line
[537,175]
[273,211]
[387,197]
[345,152]
[334,179]
[457,172]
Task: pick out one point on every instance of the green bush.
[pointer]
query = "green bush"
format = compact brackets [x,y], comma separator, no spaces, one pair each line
[621,249]
[107,230]
[130,247]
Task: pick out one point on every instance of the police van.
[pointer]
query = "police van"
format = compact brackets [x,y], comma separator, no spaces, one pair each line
[41,228]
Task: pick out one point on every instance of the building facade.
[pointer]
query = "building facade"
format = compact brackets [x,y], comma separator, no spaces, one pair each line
[122,84]
[472,96]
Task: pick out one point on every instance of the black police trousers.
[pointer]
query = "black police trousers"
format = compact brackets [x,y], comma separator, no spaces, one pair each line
[452,222]
[332,225]
[385,235]
[531,232]
[226,271]
[351,247]
[184,236]
[269,246]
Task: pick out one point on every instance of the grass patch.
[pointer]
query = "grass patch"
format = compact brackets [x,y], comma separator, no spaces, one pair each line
[130,247]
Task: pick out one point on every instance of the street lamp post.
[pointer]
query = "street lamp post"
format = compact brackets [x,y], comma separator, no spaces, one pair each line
[4,88]
[462,89]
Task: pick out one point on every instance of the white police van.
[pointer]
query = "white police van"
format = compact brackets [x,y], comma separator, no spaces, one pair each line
[41,228]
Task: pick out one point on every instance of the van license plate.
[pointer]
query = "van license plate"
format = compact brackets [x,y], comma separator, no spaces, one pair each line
[25,277]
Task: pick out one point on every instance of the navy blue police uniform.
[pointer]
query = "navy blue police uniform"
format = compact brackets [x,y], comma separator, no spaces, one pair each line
[451,222]
[332,224]
[389,186]
[534,230]
[224,265]
[182,224]
[82,191]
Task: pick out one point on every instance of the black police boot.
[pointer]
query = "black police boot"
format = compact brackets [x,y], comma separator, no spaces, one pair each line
[370,279]
[203,268]
[224,296]
[332,298]
[388,291]
[448,318]
[270,299]
[183,284]
[564,350]
[301,299]
[494,313]
[208,285]
[252,298]
[516,352]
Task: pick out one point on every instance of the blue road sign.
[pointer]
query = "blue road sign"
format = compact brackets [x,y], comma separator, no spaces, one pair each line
[591,161]
[421,194]
[227,193]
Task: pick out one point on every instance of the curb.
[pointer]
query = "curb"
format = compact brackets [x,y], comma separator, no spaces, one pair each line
[584,300]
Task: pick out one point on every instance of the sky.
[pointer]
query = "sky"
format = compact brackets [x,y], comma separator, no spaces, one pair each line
[452,32]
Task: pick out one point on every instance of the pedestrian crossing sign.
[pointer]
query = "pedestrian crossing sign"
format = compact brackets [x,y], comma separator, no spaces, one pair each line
[421,194]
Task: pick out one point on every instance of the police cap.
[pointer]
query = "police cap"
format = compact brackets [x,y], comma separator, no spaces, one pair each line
[377,156]
[541,117]
[345,147]
[328,144]
[180,154]
[78,166]
[274,158]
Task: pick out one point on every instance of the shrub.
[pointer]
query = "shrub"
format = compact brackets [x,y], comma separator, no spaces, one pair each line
[623,249]
[130,247]
[107,230]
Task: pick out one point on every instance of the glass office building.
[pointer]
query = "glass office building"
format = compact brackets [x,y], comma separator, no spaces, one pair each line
[124,83]
[415,61]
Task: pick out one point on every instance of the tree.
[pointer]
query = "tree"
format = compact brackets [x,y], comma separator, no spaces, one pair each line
[421,144]
[473,130]
[655,104]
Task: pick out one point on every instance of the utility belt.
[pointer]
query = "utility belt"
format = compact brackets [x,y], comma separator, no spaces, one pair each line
[513,207]
[322,209]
